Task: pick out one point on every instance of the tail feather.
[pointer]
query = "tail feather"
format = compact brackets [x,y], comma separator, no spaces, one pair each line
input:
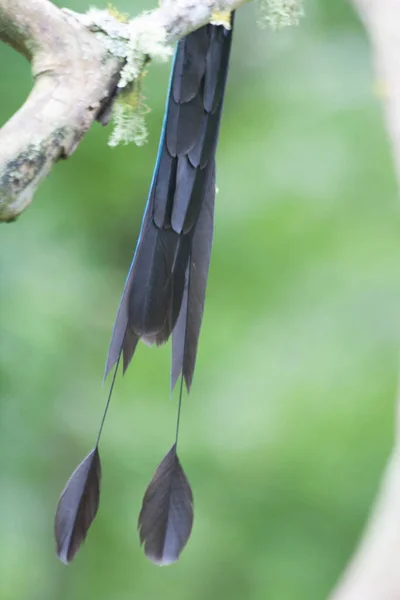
[119,331]
[217,62]
[165,289]
[177,291]
[179,335]
[194,207]
[164,190]
[146,297]
[183,125]
[185,335]
[150,291]
[185,180]
[128,348]
[190,65]
[204,149]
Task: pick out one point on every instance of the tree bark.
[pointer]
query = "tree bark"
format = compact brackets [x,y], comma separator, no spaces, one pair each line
[373,573]
[76,74]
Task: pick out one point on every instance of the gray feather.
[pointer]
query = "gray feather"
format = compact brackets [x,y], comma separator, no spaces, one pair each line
[128,348]
[179,337]
[152,297]
[185,178]
[183,125]
[190,65]
[164,189]
[119,329]
[217,66]
[166,519]
[177,289]
[150,292]
[77,507]
[185,335]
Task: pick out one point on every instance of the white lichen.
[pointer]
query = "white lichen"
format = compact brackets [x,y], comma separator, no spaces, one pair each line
[97,19]
[146,40]
[280,13]
[135,42]
[197,12]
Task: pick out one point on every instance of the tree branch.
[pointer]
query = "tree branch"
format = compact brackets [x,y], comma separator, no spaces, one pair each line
[76,71]
[74,77]
[373,573]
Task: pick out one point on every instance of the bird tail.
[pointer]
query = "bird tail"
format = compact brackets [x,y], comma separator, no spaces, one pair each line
[165,289]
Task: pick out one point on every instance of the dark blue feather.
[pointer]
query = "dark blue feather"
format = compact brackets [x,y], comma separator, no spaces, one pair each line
[182,190]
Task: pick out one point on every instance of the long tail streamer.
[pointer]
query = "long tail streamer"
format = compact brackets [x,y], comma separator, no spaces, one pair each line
[164,293]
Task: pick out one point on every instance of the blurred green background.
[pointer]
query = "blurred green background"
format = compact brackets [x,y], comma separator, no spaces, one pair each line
[289,423]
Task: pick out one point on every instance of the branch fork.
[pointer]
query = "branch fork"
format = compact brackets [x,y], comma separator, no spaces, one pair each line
[79,63]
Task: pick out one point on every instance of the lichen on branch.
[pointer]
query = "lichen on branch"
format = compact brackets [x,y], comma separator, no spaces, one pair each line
[280,13]
[83,65]
[136,43]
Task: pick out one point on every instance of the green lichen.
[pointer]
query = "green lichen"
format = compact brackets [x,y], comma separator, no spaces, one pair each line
[280,13]
[129,123]
[141,40]
[136,43]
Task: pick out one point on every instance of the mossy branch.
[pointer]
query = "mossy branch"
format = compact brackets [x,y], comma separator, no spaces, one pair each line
[80,64]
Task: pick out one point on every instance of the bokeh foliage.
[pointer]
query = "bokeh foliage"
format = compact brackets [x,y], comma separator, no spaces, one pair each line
[290,419]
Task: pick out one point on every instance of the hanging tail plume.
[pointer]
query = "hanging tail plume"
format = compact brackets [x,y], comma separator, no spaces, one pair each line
[165,289]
